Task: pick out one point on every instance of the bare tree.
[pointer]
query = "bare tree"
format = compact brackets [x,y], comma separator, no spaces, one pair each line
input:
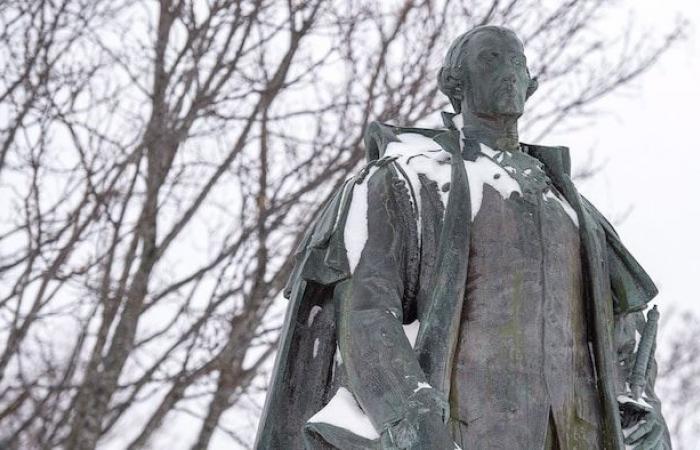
[159,161]
[679,376]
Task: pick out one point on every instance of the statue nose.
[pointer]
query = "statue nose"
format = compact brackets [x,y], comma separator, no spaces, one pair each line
[510,78]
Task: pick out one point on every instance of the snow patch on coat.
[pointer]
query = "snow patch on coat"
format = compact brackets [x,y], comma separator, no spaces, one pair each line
[419,155]
[411,332]
[549,195]
[484,170]
[312,315]
[409,151]
[355,233]
[343,411]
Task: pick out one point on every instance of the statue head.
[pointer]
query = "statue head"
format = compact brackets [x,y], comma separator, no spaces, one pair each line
[485,72]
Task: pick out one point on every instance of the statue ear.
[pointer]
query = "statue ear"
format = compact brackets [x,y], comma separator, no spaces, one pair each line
[534,84]
[450,86]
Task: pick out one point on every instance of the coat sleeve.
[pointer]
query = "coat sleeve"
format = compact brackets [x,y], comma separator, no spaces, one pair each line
[628,329]
[632,288]
[383,371]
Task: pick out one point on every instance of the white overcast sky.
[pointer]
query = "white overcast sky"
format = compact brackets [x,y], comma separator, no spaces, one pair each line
[649,138]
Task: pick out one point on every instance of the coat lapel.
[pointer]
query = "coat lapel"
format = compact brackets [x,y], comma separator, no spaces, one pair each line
[439,332]
[597,282]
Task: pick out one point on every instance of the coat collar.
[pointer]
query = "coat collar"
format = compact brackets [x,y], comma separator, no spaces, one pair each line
[556,159]
[453,139]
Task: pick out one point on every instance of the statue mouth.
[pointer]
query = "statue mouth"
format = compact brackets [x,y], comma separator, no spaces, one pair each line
[508,89]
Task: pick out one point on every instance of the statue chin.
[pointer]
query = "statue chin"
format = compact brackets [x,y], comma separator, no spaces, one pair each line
[509,106]
[501,105]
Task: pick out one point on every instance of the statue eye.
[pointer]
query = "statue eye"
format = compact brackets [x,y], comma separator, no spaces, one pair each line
[518,60]
[489,58]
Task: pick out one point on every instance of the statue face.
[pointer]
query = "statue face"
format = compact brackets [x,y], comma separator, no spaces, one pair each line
[497,74]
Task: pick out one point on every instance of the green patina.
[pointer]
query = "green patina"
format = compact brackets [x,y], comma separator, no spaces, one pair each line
[485,76]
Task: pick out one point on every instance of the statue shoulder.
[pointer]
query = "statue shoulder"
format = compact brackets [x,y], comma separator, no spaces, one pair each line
[323,256]
[555,158]
[379,138]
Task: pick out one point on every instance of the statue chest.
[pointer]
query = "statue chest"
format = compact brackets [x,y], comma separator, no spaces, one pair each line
[522,348]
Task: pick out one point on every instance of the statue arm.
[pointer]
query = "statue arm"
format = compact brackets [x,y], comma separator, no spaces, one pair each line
[382,368]
[632,289]
[628,329]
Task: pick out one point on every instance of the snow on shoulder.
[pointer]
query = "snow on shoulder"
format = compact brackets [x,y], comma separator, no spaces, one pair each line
[484,170]
[413,151]
[355,232]
[549,195]
[420,155]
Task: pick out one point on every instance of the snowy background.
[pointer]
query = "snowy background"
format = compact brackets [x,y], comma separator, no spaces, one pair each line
[647,146]
[171,348]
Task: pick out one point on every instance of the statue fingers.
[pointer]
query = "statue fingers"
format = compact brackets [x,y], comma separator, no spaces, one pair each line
[646,437]
[642,429]
[652,440]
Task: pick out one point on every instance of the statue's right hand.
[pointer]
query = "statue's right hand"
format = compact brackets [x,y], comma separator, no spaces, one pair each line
[433,434]
[424,432]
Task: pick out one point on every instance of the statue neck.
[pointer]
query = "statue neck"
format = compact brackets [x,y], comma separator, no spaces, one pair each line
[498,132]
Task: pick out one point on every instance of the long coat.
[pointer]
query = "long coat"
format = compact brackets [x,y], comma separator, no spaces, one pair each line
[426,241]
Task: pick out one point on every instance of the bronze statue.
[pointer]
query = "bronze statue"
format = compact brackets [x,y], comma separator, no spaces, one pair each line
[460,293]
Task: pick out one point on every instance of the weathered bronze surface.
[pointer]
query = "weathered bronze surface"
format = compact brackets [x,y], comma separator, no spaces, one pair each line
[460,293]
